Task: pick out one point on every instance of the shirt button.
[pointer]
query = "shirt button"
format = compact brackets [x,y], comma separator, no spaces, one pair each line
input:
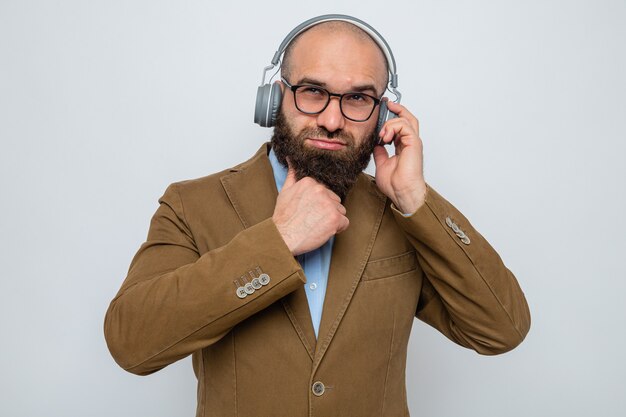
[318,388]
[313,286]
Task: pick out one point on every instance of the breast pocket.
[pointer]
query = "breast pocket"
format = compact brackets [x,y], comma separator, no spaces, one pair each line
[389,267]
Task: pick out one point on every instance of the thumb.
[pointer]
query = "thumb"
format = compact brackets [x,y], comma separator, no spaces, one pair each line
[291,177]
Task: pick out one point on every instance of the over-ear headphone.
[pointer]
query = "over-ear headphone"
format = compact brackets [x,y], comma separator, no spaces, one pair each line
[269,95]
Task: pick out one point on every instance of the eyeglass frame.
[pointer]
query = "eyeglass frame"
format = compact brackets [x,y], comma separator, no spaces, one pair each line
[293,89]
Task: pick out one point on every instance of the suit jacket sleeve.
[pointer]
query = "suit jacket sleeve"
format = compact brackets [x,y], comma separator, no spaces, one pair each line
[174,301]
[468,294]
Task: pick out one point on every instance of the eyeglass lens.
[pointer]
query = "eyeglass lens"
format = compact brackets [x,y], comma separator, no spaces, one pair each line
[355,106]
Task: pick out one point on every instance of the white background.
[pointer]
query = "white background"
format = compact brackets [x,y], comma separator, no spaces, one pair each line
[104,103]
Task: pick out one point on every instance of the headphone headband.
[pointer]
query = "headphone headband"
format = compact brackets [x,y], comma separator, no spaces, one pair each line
[373,33]
[269,96]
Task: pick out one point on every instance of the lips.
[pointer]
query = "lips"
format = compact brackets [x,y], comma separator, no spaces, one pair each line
[328,144]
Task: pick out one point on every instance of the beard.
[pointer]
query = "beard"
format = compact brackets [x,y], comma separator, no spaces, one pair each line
[338,170]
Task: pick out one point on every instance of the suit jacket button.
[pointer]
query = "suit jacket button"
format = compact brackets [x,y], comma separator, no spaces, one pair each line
[248,288]
[264,278]
[318,389]
[241,292]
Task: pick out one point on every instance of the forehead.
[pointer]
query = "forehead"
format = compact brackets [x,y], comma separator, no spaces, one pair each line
[338,56]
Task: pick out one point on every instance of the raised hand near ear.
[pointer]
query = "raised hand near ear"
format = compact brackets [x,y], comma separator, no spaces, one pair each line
[307,214]
[401,176]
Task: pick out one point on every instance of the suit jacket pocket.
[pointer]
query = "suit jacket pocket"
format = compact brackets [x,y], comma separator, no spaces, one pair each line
[388,267]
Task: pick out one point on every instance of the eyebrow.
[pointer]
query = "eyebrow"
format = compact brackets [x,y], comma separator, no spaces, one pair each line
[357,88]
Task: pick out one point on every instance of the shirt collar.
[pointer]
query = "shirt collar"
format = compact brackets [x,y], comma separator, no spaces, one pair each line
[280,172]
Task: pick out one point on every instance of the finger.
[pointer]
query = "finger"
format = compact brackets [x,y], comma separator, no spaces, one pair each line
[396,124]
[400,132]
[380,155]
[404,113]
[341,209]
[391,129]
[343,225]
[384,133]
[291,178]
[399,109]
[334,196]
[391,132]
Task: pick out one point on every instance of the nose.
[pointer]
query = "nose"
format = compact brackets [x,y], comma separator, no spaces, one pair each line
[331,118]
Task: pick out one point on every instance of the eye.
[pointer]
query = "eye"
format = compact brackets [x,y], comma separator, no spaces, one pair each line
[357,98]
[311,90]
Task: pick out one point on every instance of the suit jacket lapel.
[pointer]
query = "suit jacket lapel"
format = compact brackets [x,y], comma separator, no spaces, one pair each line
[297,307]
[365,205]
[252,191]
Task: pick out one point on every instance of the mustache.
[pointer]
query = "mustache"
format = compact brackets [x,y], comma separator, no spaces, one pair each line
[321,132]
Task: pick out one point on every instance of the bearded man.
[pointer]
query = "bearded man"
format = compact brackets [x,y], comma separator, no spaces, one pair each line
[293,278]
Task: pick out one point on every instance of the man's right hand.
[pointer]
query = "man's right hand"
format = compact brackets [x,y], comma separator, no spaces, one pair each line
[307,214]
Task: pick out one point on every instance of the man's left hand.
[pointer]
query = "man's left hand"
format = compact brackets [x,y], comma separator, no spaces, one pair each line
[401,176]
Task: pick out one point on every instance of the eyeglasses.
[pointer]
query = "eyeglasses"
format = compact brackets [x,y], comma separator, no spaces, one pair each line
[313,99]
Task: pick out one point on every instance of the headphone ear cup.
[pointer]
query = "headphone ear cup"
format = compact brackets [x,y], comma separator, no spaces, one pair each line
[268,100]
[260,110]
[382,116]
[275,101]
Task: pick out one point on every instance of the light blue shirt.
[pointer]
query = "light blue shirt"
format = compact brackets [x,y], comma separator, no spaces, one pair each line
[315,263]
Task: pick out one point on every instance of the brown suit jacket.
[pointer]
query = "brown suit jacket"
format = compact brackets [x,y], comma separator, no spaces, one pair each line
[258,356]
